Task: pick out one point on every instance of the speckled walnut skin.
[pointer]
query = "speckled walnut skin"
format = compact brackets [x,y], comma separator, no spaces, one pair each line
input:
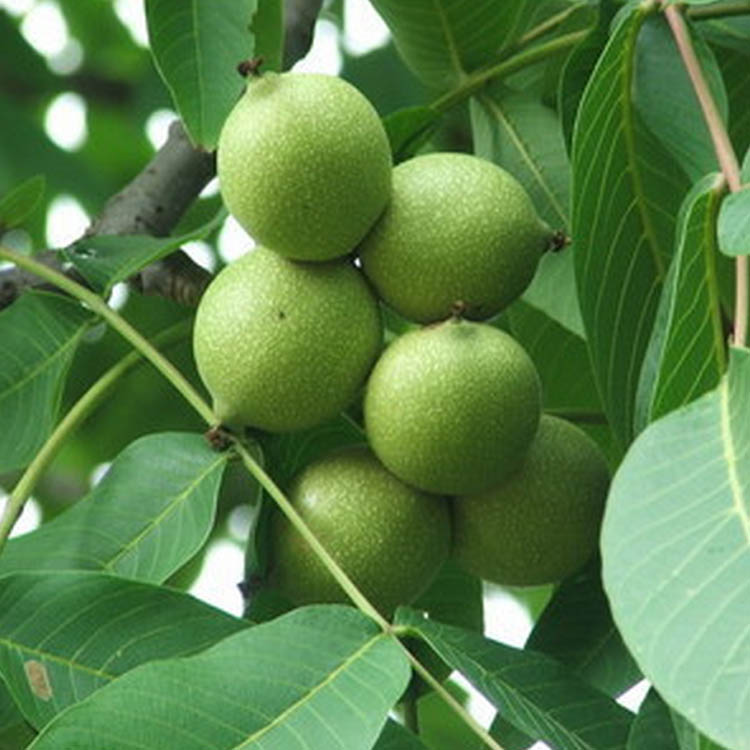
[457,228]
[304,164]
[282,345]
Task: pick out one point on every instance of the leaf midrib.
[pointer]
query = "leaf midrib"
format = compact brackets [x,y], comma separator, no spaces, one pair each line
[449,39]
[278,720]
[527,158]
[177,501]
[45,364]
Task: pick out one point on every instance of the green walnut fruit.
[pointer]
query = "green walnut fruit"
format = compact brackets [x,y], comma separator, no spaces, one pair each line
[453,407]
[304,164]
[389,538]
[458,229]
[283,345]
[541,524]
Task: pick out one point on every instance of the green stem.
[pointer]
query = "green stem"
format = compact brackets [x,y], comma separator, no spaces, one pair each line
[528,57]
[460,710]
[100,307]
[296,520]
[720,10]
[728,162]
[75,416]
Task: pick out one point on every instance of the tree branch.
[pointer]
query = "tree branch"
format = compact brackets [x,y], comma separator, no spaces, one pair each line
[156,199]
[299,25]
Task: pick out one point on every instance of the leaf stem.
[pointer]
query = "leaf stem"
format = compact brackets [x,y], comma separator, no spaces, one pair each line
[719,10]
[100,307]
[75,416]
[470,721]
[724,153]
[528,57]
[296,520]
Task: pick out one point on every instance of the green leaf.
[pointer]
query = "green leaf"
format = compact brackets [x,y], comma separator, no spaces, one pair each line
[289,453]
[10,716]
[409,129]
[533,691]
[38,336]
[443,729]
[508,736]
[20,202]
[65,635]
[397,737]
[524,136]
[560,357]
[455,598]
[553,291]
[734,223]
[733,65]
[579,66]
[729,32]
[658,727]
[676,556]
[652,728]
[626,193]
[29,73]
[666,100]
[444,40]
[318,678]
[16,737]
[103,260]
[689,738]
[149,515]
[686,355]
[196,47]
[576,628]
[268,30]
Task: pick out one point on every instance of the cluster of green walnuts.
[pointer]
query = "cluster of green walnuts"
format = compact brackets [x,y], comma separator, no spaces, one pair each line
[459,460]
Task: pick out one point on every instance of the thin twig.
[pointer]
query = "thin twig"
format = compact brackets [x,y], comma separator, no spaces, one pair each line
[476,80]
[725,155]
